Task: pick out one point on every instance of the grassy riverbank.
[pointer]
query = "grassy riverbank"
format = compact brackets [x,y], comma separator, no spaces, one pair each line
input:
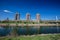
[34,37]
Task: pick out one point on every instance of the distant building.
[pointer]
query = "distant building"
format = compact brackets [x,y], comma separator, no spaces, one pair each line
[17,16]
[27,16]
[38,17]
[7,19]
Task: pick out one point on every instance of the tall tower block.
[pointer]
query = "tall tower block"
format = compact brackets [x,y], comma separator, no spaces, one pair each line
[38,17]
[27,16]
[17,16]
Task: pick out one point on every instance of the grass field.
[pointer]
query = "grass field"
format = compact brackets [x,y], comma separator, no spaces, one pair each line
[34,37]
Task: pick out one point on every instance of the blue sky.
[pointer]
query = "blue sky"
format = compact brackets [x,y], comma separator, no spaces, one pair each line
[47,9]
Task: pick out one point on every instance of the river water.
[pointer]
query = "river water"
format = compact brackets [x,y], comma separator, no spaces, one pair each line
[30,30]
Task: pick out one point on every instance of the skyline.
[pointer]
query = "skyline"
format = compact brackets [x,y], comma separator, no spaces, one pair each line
[48,9]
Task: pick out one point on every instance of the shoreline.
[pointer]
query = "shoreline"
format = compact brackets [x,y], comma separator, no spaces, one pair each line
[12,24]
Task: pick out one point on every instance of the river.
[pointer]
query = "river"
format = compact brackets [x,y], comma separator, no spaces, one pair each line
[30,30]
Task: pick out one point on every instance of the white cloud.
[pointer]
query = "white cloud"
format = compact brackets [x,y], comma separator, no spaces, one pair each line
[7,11]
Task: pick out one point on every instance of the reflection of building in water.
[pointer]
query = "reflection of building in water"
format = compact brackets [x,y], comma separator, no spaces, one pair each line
[38,18]
[17,16]
[27,16]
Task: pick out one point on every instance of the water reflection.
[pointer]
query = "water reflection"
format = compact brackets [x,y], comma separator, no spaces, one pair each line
[4,31]
[50,29]
[22,31]
[30,30]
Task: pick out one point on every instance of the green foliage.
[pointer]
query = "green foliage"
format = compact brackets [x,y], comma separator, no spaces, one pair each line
[25,22]
[4,21]
[36,37]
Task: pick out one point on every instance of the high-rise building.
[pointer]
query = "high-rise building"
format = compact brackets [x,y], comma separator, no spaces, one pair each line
[7,19]
[17,16]
[27,16]
[38,17]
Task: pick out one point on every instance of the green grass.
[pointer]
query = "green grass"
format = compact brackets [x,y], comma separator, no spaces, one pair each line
[36,37]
